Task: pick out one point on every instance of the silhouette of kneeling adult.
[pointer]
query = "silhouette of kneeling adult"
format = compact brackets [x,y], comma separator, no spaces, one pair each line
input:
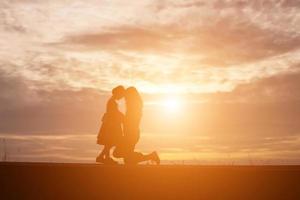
[123,131]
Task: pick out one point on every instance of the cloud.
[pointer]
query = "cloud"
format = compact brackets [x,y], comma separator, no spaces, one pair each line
[240,4]
[82,148]
[45,148]
[126,38]
[264,107]
[25,109]
[239,42]
[194,35]
[174,41]
[280,88]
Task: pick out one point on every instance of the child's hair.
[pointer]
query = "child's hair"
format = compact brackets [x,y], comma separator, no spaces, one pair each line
[118,89]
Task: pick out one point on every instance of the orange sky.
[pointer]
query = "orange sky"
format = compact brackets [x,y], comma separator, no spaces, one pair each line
[231,69]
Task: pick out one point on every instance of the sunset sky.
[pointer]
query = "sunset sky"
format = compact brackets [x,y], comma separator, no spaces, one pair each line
[220,79]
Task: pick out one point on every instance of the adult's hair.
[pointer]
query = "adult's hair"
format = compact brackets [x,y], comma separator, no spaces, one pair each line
[132,96]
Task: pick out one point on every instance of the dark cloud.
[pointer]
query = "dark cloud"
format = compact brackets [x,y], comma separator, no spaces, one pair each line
[12,88]
[264,107]
[240,4]
[123,38]
[48,147]
[278,88]
[240,41]
[23,109]
[290,3]
[187,4]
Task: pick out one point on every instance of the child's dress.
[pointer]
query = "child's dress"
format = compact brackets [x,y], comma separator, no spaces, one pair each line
[110,132]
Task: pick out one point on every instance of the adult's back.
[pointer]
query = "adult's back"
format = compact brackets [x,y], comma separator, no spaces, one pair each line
[134,107]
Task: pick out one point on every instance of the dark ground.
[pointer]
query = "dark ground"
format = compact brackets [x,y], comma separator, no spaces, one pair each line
[91,181]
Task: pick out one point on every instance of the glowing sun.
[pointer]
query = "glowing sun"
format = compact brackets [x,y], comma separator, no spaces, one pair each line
[172,104]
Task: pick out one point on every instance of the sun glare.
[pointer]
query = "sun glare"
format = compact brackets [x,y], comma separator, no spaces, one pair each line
[172,104]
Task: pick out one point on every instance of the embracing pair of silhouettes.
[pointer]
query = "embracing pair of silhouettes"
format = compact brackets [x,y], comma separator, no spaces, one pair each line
[122,131]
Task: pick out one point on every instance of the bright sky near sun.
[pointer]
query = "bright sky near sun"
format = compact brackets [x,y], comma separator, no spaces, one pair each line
[172,104]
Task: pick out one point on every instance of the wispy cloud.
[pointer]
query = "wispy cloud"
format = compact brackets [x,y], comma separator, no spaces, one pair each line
[82,148]
[109,42]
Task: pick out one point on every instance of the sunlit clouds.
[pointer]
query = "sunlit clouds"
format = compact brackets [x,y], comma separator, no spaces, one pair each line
[195,46]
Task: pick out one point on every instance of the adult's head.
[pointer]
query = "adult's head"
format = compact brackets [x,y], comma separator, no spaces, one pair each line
[118,92]
[133,97]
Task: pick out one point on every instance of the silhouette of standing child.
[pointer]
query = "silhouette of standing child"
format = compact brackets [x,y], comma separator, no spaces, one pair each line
[110,132]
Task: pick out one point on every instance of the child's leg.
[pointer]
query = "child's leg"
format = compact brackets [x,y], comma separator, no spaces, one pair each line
[104,156]
[106,151]
[100,158]
[101,155]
